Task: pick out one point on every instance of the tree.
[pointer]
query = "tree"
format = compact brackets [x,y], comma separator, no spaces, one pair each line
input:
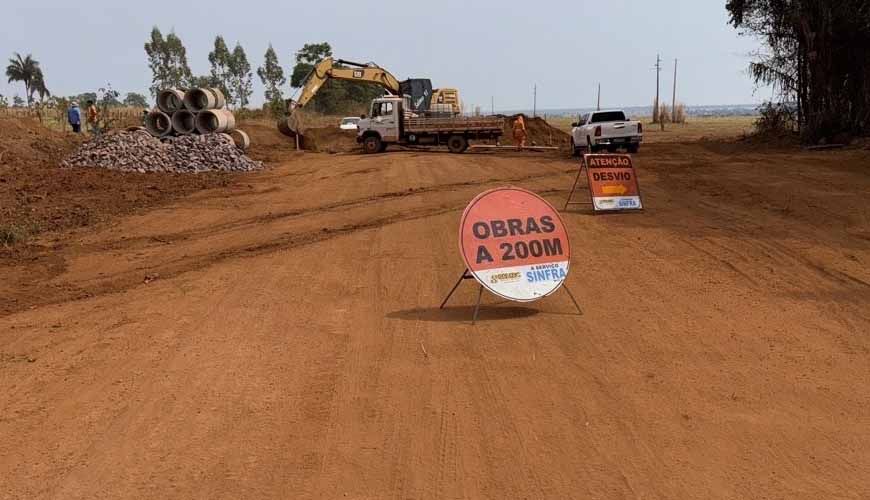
[17,101]
[272,75]
[241,76]
[83,98]
[306,58]
[335,97]
[135,100]
[24,70]
[817,56]
[205,81]
[167,59]
[220,59]
[38,86]
[108,97]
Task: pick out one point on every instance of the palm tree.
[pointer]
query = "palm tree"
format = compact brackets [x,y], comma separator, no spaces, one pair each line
[38,85]
[24,70]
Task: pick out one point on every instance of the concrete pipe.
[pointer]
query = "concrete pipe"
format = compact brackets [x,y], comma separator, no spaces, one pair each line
[169,101]
[200,99]
[183,122]
[213,121]
[241,139]
[158,124]
[219,96]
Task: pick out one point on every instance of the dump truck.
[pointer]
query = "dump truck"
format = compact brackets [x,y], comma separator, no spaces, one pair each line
[393,121]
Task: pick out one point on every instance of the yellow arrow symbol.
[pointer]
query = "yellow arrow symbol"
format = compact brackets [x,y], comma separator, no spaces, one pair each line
[614,189]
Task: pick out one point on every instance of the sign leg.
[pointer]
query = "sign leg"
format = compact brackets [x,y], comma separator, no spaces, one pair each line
[565,287]
[573,188]
[576,181]
[464,276]
[477,307]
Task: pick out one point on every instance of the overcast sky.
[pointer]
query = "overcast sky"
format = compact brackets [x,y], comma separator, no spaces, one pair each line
[485,48]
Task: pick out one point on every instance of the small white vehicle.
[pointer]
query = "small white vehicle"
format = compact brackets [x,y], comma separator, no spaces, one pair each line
[608,130]
[350,123]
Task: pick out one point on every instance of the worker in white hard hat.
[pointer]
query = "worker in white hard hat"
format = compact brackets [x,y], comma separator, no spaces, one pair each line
[74,117]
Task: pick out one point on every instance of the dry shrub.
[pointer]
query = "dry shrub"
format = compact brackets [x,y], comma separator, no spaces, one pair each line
[776,119]
[679,113]
[664,113]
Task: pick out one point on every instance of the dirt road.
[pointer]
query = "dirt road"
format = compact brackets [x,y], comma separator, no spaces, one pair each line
[281,339]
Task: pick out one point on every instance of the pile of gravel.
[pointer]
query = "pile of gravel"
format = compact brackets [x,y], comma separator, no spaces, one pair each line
[138,151]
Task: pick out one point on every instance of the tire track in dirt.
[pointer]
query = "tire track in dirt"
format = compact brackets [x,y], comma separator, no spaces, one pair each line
[117,282]
[356,203]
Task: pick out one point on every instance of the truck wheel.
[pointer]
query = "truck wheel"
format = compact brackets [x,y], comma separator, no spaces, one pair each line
[633,148]
[589,147]
[457,143]
[575,151]
[372,144]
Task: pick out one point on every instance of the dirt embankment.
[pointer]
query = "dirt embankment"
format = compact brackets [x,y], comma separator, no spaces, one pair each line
[37,195]
[329,140]
[538,132]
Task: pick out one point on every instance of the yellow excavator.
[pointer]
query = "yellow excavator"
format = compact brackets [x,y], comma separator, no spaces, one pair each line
[421,97]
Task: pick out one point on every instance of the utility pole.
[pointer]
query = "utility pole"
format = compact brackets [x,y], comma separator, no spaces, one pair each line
[599,97]
[658,75]
[535,102]
[674,99]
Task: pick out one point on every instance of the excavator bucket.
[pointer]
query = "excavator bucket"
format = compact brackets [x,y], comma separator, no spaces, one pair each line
[291,125]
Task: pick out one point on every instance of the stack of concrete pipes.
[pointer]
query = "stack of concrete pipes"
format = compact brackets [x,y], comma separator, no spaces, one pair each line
[195,111]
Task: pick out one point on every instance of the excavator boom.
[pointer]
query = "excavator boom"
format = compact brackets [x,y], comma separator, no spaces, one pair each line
[345,70]
[418,91]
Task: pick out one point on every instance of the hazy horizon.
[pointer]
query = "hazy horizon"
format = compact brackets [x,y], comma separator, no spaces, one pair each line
[485,49]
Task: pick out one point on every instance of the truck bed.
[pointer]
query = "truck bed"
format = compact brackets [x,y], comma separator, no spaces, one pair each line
[490,125]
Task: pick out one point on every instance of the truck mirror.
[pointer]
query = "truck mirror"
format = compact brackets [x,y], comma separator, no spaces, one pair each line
[575,124]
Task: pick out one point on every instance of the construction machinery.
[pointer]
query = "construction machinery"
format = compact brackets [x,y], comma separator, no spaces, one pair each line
[421,99]
[390,123]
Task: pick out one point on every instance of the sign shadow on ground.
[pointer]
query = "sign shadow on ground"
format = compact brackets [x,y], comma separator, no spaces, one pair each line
[462,314]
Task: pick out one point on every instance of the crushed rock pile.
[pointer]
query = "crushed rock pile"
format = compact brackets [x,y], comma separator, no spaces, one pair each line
[138,151]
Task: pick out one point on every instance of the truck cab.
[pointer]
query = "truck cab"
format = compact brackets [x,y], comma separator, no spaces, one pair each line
[383,125]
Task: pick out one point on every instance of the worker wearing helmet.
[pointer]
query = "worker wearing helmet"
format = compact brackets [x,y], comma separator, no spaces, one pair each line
[520,132]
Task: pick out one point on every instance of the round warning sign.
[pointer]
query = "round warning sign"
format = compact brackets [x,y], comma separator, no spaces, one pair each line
[515,244]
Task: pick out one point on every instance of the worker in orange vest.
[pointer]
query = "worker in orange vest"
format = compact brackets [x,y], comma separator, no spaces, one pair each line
[93,118]
[520,132]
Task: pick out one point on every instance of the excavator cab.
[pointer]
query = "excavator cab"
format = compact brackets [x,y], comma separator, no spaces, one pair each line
[419,93]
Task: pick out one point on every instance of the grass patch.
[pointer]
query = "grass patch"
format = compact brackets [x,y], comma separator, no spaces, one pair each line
[11,235]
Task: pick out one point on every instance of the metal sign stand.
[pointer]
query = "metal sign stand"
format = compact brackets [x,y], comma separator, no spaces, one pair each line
[466,275]
[574,188]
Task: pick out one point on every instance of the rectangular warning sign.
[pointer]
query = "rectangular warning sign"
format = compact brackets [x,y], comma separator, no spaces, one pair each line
[613,183]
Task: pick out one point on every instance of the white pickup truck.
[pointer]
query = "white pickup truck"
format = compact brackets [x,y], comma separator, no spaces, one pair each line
[605,130]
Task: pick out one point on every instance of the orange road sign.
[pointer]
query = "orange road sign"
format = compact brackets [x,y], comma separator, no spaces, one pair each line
[515,244]
[612,183]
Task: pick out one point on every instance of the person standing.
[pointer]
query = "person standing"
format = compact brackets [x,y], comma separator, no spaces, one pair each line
[93,118]
[520,132]
[74,117]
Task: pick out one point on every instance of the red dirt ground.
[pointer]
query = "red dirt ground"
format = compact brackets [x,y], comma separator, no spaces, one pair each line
[281,338]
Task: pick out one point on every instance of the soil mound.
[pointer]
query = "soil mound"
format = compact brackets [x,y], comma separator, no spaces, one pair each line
[538,131]
[268,144]
[25,142]
[138,151]
[329,140]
